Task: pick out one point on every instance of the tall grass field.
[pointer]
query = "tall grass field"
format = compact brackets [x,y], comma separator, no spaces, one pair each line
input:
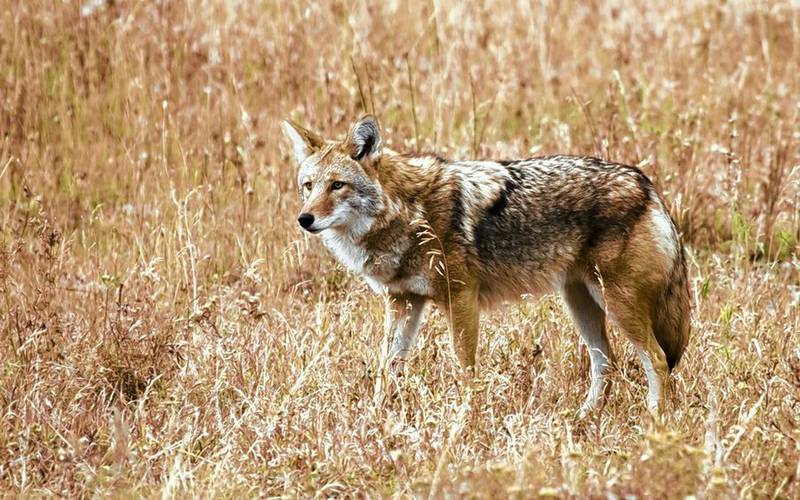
[168,330]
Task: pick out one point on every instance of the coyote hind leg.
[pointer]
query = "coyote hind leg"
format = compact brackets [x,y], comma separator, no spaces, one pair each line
[590,319]
[632,313]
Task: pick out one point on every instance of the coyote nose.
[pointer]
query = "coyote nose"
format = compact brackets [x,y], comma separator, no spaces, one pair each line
[305,220]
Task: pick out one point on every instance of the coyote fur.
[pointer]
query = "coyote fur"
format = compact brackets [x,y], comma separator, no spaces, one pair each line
[594,231]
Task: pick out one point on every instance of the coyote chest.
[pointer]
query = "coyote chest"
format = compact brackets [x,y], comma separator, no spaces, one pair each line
[381,269]
[347,252]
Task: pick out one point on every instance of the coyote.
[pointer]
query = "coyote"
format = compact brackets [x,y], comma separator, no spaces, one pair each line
[594,231]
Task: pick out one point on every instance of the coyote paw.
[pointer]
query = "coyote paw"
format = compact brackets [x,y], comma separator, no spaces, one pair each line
[586,409]
[590,405]
[397,366]
[655,408]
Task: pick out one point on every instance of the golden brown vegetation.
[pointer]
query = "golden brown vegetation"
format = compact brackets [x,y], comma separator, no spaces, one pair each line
[165,328]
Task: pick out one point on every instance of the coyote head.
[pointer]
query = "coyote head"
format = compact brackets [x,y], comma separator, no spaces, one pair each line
[337,179]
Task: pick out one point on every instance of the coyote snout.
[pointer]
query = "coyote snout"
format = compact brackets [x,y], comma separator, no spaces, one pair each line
[306,220]
[593,231]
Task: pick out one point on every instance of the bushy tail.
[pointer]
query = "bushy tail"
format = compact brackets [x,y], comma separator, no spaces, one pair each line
[672,315]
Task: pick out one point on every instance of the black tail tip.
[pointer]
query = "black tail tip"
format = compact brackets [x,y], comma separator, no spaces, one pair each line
[672,360]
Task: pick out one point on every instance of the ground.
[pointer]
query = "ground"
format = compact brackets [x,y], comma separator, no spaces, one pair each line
[167,329]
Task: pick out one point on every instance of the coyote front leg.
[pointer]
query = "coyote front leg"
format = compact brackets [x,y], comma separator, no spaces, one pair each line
[464,316]
[403,317]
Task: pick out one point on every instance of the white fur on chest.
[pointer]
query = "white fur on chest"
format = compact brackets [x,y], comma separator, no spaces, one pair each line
[347,252]
[418,285]
[354,257]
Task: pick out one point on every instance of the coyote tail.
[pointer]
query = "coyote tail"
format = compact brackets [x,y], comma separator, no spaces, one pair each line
[671,316]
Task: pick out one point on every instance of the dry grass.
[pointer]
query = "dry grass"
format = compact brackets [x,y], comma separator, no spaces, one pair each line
[165,328]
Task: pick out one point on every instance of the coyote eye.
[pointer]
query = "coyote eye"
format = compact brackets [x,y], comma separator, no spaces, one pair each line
[307,186]
[337,185]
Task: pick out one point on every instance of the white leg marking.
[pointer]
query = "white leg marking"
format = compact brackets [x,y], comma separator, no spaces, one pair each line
[405,327]
[653,381]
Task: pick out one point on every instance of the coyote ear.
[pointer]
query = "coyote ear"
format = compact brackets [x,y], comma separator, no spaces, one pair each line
[304,142]
[364,141]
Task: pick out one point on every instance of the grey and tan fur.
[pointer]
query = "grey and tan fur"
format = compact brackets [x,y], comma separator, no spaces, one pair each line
[596,232]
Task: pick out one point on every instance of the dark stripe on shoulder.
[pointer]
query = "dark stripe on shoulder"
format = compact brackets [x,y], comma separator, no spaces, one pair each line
[502,199]
[458,214]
